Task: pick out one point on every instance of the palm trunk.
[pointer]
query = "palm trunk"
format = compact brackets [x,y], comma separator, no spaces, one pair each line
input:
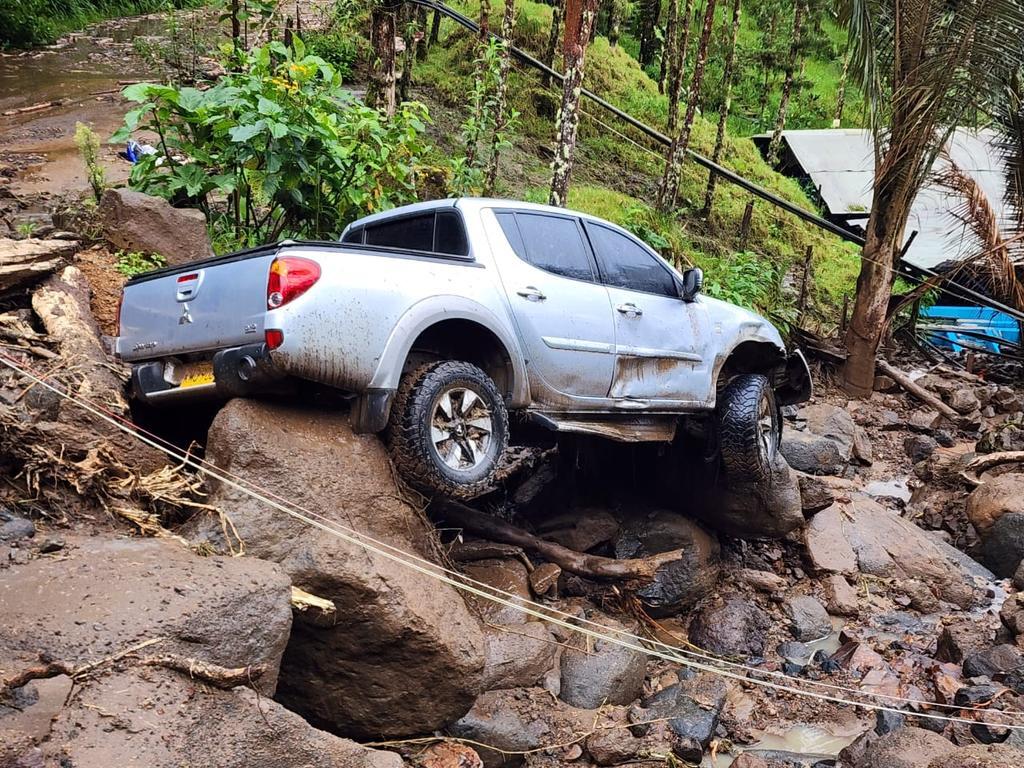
[508,23]
[668,51]
[837,121]
[650,10]
[553,34]
[579,18]
[775,145]
[723,117]
[380,92]
[677,67]
[669,189]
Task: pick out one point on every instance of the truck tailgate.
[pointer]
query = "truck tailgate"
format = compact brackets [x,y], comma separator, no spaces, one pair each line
[204,305]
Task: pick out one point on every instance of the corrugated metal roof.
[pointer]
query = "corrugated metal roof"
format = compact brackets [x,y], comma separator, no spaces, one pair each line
[840,164]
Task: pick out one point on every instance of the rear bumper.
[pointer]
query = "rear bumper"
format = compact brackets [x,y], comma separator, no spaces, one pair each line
[237,372]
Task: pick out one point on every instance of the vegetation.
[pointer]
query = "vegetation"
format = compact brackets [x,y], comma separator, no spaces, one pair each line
[88,144]
[36,22]
[132,263]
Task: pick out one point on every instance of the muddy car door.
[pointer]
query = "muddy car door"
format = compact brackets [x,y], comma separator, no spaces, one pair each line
[660,340]
[561,310]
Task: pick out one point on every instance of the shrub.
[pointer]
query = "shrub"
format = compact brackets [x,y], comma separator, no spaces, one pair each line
[88,144]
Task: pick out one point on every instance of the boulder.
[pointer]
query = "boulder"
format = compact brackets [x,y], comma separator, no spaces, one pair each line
[612,746]
[732,627]
[862,448]
[691,708]
[509,576]
[842,599]
[1006,400]
[808,618]
[993,499]
[133,221]
[861,536]
[999,660]
[13,528]
[813,454]
[518,655]
[679,584]
[981,756]
[758,510]
[233,612]
[905,748]
[598,672]
[23,262]
[960,639]
[919,447]
[408,656]
[832,422]
[1003,546]
[963,401]
[815,494]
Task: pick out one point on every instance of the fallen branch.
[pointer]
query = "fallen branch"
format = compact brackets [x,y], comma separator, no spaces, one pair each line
[55,668]
[977,467]
[582,564]
[34,108]
[214,674]
[919,392]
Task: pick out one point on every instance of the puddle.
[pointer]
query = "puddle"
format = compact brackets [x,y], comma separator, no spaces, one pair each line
[801,739]
[893,489]
[829,643]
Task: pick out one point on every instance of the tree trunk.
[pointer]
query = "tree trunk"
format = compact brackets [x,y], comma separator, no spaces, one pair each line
[668,50]
[677,67]
[553,34]
[421,28]
[485,21]
[767,61]
[579,18]
[508,23]
[775,145]
[614,23]
[435,28]
[411,39]
[837,121]
[380,91]
[723,116]
[650,10]
[669,189]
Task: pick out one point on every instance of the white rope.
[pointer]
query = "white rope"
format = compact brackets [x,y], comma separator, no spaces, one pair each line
[538,611]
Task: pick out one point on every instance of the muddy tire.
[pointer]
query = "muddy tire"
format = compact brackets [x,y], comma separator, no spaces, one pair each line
[448,429]
[749,428]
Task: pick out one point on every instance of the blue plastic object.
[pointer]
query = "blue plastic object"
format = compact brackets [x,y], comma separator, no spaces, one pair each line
[960,329]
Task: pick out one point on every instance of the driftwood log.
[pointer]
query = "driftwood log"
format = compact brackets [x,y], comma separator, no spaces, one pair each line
[974,470]
[580,563]
[919,392]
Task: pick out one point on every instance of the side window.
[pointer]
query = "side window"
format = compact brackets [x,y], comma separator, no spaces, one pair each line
[354,235]
[624,263]
[450,234]
[414,233]
[551,243]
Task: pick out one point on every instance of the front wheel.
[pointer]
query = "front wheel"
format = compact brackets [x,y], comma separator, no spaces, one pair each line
[749,427]
[448,429]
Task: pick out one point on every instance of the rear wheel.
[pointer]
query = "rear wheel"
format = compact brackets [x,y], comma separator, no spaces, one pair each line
[448,429]
[749,427]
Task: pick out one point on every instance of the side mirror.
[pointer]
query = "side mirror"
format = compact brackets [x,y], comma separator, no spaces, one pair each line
[693,281]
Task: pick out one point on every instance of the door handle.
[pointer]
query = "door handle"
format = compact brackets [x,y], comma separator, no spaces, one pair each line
[630,309]
[531,294]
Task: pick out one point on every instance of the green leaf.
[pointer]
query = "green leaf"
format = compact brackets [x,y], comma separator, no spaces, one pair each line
[137,91]
[268,107]
[243,133]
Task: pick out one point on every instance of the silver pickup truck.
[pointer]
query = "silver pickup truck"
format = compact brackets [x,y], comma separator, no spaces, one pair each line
[440,318]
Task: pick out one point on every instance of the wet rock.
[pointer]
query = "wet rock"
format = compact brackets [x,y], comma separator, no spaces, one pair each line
[981,756]
[758,510]
[963,401]
[905,748]
[518,655]
[999,660]
[680,584]
[597,672]
[133,221]
[831,422]
[544,578]
[612,746]
[862,450]
[449,754]
[993,499]
[509,576]
[732,627]
[228,611]
[1012,614]
[15,528]
[1006,400]
[919,447]
[815,495]
[748,760]
[813,454]
[691,708]
[779,758]
[960,639]
[763,581]
[1008,436]
[920,595]
[887,721]
[1018,576]
[924,420]
[1003,547]
[808,618]
[794,651]
[842,599]
[862,536]
[399,628]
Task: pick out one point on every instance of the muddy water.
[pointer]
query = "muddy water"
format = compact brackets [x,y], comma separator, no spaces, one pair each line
[85,72]
[801,739]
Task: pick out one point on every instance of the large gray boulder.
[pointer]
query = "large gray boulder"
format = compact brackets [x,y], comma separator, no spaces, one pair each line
[1003,547]
[406,655]
[824,445]
[759,510]
[599,672]
[133,221]
[731,627]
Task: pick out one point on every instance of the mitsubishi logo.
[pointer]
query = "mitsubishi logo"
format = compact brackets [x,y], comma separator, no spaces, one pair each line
[186,316]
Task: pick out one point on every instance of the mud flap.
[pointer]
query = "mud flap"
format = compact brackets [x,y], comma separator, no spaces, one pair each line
[795,385]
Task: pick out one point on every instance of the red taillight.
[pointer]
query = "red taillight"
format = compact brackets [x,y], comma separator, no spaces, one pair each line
[289,278]
[188,277]
[274,338]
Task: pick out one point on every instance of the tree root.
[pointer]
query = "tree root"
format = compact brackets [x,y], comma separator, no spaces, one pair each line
[591,566]
[214,674]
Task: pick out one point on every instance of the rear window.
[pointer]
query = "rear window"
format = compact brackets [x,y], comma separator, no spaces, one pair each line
[552,243]
[434,232]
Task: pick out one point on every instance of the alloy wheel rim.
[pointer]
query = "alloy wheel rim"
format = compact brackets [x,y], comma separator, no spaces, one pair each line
[461,428]
[766,425]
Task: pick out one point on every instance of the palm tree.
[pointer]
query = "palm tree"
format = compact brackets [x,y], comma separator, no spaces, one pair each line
[579,20]
[669,189]
[723,115]
[922,66]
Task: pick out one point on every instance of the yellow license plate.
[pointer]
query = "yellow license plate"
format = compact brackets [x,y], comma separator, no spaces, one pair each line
[197,375]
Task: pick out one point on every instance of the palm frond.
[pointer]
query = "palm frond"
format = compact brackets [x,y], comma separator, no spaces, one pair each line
[1008,122]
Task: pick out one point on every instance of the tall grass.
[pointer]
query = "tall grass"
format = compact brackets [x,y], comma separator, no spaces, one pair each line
[25,23]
